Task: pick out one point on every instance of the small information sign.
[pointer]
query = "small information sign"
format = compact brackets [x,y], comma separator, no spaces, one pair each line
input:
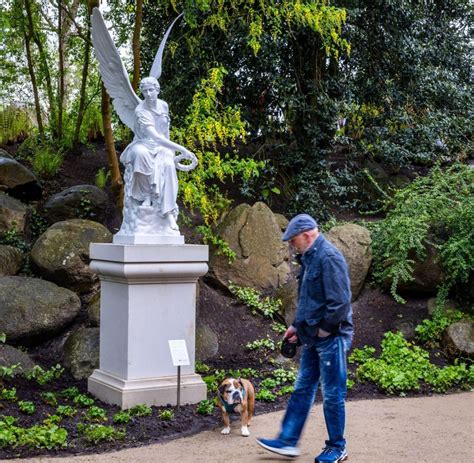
[179,352]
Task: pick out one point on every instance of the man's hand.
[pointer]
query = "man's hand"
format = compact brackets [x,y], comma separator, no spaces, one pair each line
[290,334]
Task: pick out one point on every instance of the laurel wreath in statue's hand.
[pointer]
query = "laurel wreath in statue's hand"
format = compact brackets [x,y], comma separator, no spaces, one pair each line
[188,156]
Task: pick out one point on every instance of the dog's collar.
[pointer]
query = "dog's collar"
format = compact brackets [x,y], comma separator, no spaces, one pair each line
[228,407]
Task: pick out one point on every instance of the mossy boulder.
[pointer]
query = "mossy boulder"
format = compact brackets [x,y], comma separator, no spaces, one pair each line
[80,201]
[254,234]
[207,342]
[10,355]
[13,214]
[458,339]
[427,275]
[11,259]
[61,253]
[355,244]
[93,310]
[32,309]
[81,352]
[17,180]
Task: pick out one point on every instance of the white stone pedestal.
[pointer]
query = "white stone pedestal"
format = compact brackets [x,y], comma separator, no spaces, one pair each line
[148,296]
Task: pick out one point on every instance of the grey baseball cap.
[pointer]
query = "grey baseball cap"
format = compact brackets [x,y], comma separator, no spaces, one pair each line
[297,225]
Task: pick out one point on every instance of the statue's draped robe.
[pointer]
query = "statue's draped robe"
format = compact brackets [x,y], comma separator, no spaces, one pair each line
[149,158]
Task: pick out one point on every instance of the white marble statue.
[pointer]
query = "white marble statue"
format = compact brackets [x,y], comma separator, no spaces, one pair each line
[151,185]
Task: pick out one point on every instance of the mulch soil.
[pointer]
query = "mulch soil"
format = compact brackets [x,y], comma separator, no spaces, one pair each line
[374,314]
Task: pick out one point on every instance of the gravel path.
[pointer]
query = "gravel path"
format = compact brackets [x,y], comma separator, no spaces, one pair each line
[425,429]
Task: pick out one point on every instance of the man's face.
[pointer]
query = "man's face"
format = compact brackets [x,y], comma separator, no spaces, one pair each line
[300,242]
[149,92]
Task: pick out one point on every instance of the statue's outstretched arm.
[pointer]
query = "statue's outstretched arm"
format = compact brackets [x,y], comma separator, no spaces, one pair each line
[163,141]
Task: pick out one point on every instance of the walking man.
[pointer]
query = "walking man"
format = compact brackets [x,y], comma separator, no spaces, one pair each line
[323,326]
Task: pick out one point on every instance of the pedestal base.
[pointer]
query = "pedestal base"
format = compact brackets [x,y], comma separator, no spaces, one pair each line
[148,297]
[148,239]
[160,391]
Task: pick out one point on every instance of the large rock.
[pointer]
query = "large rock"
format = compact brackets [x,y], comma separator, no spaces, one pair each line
[448,305]
[17,180]
[93,310]
[207,342]
[61,253]
[288,294]
[10,260]
[31,309]
[427,274]
[81,352]
[10,355]
[80,201]
[255,236]
[355,244]
[458,339]
[13,214]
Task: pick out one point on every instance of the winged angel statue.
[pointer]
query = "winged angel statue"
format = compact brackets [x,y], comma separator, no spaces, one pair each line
[151,185]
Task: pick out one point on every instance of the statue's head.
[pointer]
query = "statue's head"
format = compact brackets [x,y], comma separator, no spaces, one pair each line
[149,81]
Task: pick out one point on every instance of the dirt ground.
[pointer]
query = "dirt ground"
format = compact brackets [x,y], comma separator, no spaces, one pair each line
[423,429]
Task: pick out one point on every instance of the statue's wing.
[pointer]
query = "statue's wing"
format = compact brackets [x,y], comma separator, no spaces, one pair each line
[113,72]
[156,68]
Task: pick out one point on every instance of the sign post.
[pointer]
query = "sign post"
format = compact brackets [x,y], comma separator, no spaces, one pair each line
[179,356]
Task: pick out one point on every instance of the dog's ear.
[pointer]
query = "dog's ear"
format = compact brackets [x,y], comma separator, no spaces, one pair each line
[222,388]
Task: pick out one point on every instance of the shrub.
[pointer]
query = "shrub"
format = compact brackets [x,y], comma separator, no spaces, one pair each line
[8,394]
[46,161]
[141,410]
[265,395]
[83,400]
[70,392]
[207,128]
[96,433]
[205,407]
[267,306]
[8,372]
[265,343]
[101,178]
[26,407]
[38,436]
[96,414]
[15,124]
[429,331]
[201,368]
[122,417]
[49,398]
[166,415]
[66,410]
[441,204]
[42,376]
[403,366]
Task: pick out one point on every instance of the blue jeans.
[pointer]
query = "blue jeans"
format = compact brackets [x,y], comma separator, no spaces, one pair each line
[324,361]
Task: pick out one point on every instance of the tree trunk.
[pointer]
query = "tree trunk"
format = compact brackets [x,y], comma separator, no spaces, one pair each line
[61,70]
[136,44]
[31,71]
[85,71]
[116,178]
[43,66]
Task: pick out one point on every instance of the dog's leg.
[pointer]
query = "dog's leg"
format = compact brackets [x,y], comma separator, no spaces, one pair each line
[251,408]
[244,422]
[225,417]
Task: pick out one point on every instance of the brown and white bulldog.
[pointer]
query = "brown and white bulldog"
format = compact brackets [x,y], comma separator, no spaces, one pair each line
[237,395]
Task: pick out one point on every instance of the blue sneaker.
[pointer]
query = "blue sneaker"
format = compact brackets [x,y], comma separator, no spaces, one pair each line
[331,455]
[277,446]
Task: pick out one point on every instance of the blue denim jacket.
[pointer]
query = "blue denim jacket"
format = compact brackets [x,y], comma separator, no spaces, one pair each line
[324,293]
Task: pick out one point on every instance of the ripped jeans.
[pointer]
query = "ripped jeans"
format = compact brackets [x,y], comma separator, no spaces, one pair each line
[325,362]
